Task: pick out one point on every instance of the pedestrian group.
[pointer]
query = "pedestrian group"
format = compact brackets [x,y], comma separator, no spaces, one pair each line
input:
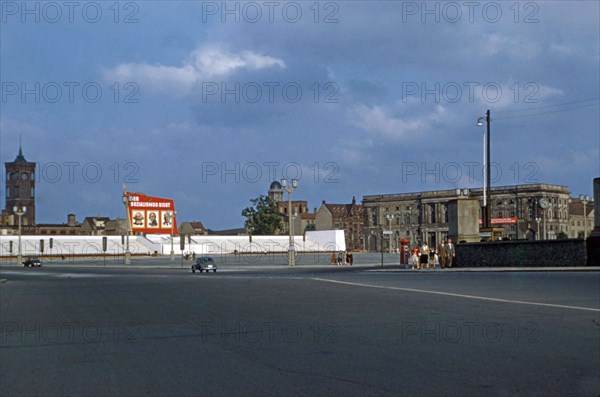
[424,256]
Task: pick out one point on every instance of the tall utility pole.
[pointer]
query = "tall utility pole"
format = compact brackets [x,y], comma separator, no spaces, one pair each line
[487,198]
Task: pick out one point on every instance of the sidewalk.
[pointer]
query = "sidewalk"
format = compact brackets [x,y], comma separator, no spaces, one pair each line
[492,269]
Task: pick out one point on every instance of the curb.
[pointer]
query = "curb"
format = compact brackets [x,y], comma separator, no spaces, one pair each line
[494,270]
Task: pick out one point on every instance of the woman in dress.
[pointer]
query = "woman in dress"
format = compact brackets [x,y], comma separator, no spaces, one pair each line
[424,258]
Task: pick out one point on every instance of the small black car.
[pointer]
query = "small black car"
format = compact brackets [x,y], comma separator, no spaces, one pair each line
[33,262]
[204,263]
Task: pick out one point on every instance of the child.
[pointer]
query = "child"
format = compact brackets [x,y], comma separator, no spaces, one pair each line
[414,258]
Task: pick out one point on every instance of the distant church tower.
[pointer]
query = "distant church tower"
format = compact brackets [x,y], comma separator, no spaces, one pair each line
[20,189]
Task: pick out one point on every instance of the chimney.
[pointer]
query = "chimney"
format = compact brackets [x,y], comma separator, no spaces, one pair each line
[71,221]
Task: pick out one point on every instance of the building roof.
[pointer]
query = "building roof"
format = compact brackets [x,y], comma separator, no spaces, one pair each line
[227,232]
[474,192]
[275,185]
[343,209]
[20,158]
[576,207]
[198,226]
[96,222]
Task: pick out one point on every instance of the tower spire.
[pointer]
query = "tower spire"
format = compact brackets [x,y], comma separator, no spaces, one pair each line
[20,157]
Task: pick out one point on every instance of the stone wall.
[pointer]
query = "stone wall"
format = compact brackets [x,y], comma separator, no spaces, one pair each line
[571,252]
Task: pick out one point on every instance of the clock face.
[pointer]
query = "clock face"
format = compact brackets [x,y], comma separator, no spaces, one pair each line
[24,176]
[544,203]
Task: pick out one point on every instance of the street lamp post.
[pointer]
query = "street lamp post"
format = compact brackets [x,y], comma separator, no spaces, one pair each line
[172,218]
[127,253]
[487,188]
[545,224]
[538,228]
[289,190]
[390,217]
[19,211]
[584,200]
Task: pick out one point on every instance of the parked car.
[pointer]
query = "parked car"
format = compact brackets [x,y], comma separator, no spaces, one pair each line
[204,263]
[33,262]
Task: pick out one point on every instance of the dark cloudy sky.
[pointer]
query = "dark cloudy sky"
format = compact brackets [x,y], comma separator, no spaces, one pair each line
[208,102]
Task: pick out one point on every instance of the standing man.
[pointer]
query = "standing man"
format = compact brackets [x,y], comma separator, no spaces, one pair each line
[442,251]
[451,252]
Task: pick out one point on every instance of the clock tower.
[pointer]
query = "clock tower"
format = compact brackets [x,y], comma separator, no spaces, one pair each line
[20,189]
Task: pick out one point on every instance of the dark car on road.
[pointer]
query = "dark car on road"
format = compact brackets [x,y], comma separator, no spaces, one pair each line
[33,262]
[204,263]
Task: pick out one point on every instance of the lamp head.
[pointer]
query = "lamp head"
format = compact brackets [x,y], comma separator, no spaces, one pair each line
[480,121]
[294,183]
[283,182]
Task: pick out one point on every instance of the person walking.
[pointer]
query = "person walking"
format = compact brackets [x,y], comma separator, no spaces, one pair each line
[451,252]
[424,258]
[333,258]
[443,253]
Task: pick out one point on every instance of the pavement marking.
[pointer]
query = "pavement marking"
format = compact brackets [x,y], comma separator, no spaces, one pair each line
[458,295]
[58,275]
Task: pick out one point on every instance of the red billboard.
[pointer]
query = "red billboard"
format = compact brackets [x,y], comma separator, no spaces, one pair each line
[151,215]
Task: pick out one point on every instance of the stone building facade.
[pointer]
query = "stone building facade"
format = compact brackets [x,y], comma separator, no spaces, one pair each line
[578,218]
[347,217]
[424,215]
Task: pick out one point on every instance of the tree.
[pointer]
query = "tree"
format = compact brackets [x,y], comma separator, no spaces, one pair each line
[262,218]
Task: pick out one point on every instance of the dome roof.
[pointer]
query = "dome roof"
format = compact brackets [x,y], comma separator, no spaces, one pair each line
[275,185]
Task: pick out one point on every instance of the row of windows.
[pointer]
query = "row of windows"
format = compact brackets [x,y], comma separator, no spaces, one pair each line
[55,232]
[8,196]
